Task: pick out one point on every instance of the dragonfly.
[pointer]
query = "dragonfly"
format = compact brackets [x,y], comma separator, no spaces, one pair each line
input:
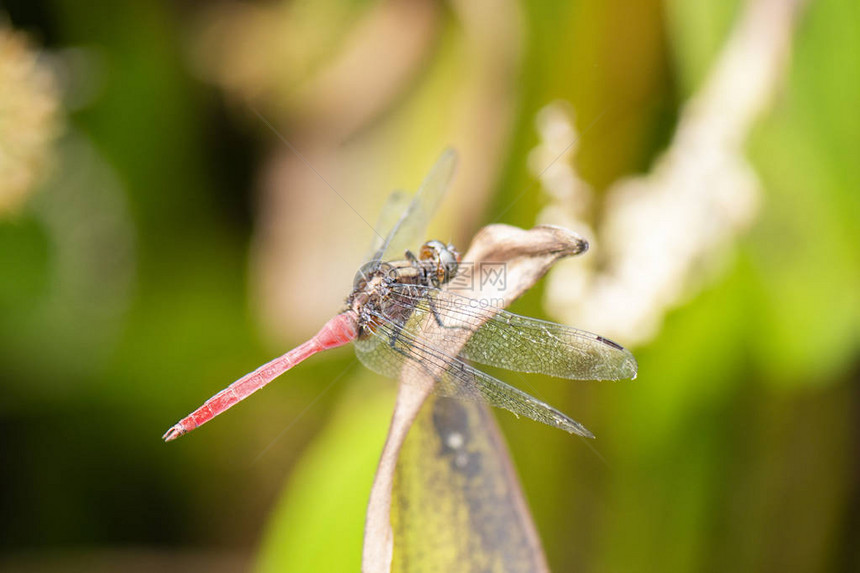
[395,293]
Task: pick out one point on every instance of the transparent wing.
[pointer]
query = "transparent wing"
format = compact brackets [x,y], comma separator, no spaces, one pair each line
[396,351]
[412,225]
[519,343]
[392,210]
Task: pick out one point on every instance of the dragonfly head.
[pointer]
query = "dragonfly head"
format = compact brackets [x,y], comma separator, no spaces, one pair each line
[444,257]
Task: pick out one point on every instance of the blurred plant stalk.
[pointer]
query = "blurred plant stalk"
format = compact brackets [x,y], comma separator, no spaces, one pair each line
[664,235]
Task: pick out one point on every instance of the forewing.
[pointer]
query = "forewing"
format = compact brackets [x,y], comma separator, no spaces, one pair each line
[392,210]
[519,343]
[409,230]
[396,350]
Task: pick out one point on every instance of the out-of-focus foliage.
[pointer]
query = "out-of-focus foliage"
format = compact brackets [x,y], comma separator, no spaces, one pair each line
[809,327]
[141,276]
[327,493]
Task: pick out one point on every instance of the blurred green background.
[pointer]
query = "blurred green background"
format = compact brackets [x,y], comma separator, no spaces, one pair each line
[158,240]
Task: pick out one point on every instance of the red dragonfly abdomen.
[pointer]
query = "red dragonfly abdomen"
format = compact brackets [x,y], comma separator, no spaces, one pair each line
[336,332]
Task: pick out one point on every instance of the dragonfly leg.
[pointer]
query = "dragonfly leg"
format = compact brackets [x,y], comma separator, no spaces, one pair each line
[392,341]
[432,304]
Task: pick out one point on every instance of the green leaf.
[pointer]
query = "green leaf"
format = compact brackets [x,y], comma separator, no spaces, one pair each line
[318,523]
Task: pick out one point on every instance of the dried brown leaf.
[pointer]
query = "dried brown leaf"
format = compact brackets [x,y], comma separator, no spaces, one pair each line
[527,256]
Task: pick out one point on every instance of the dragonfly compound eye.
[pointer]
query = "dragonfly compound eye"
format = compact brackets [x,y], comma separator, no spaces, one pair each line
[453,250]
[432,251]
[445,257]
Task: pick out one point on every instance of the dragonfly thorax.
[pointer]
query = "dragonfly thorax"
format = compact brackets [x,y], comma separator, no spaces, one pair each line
[436,264]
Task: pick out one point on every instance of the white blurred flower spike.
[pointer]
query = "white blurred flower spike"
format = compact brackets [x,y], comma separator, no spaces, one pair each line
[29,118]
[666,234]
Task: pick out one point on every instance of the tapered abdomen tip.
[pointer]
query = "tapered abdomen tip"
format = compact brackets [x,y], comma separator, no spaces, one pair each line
[173,433]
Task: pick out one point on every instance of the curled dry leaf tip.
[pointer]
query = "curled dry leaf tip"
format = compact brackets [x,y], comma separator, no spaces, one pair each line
[527,256]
